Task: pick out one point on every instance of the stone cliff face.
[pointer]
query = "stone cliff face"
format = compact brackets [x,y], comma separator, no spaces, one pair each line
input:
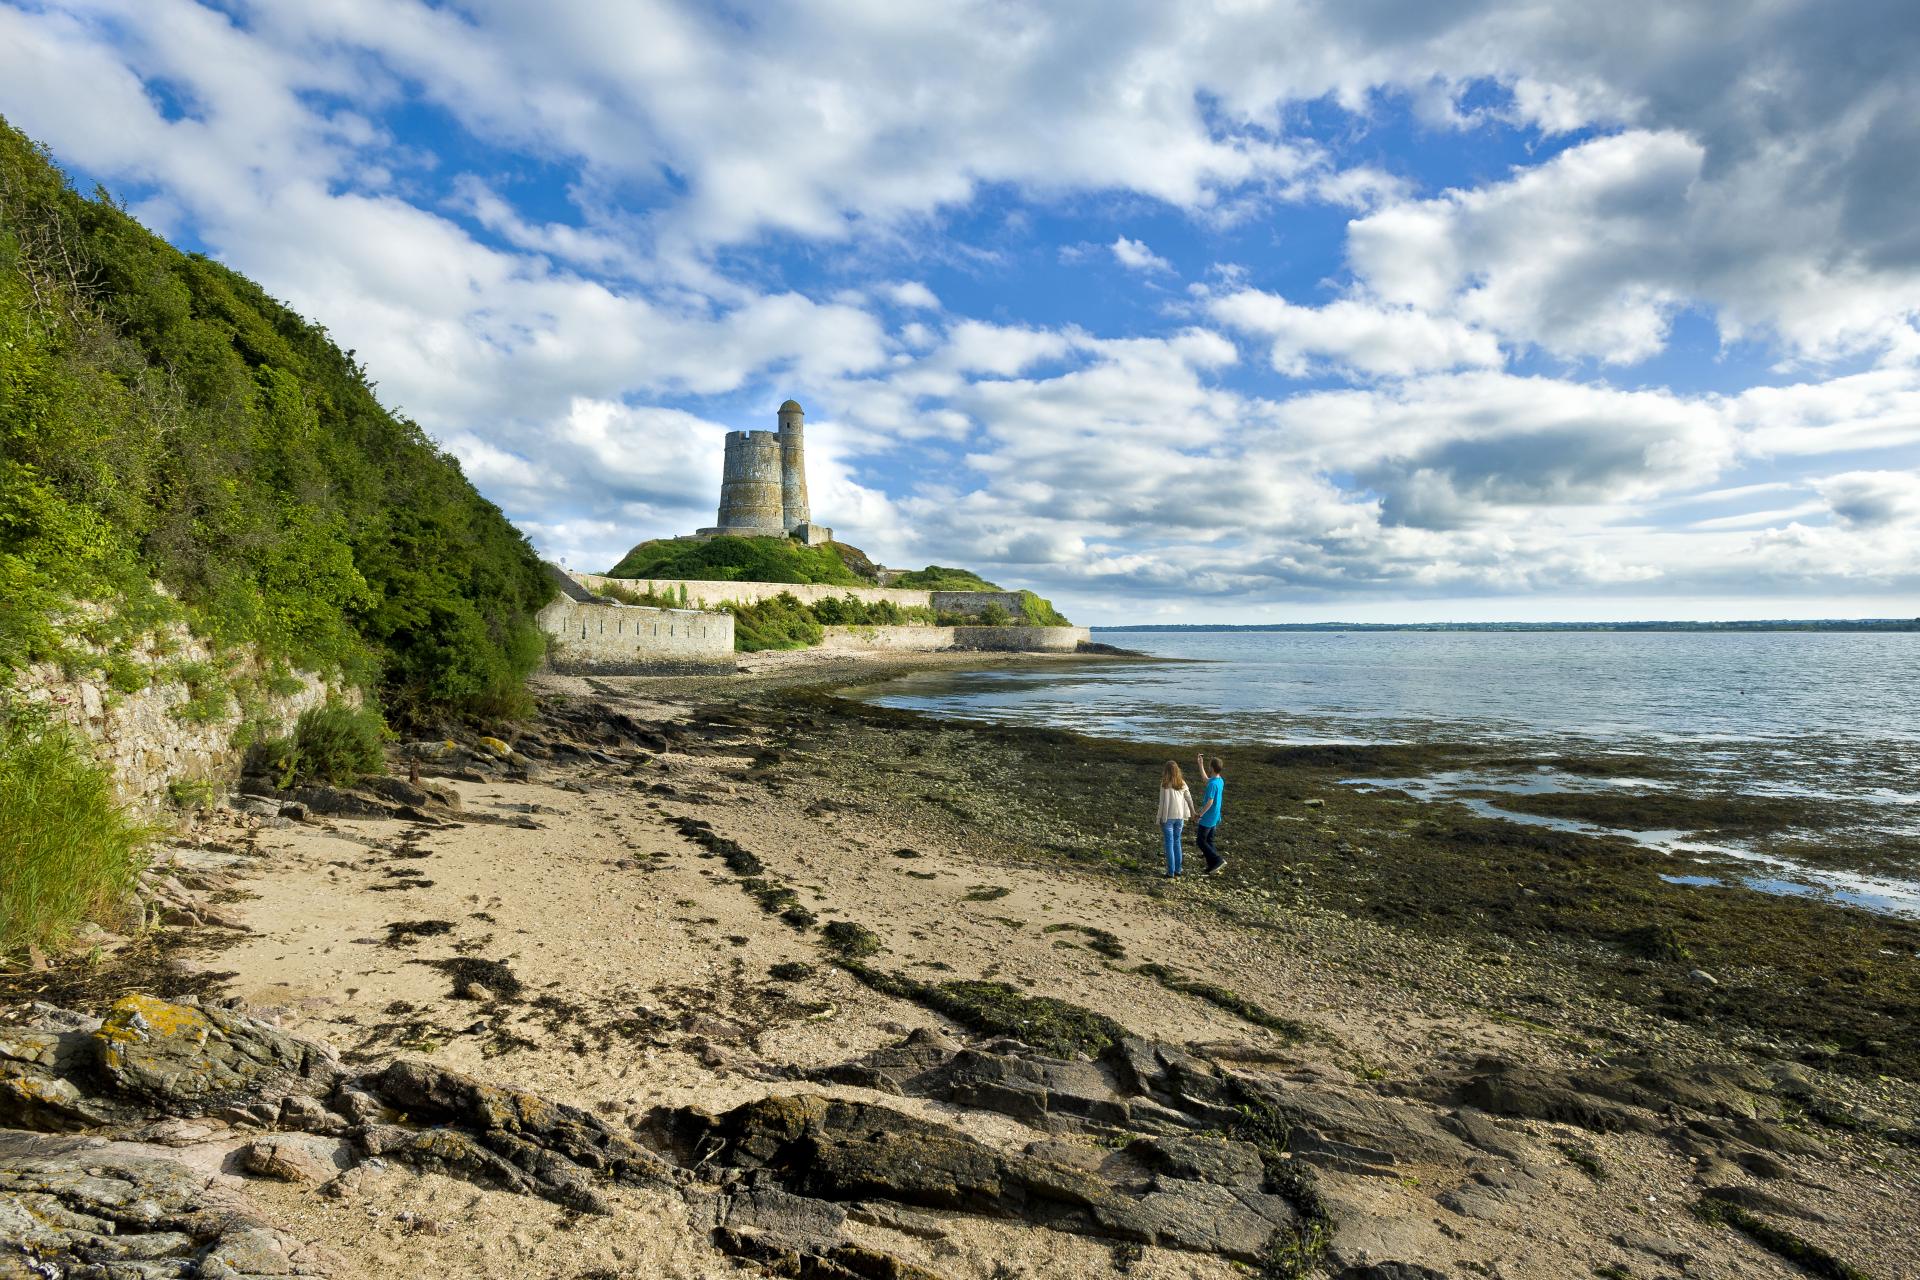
[182,726]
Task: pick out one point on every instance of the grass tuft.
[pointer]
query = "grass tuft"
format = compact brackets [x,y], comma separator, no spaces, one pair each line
[68,853]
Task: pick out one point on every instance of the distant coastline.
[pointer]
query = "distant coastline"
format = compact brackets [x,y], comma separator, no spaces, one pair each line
[1757,624]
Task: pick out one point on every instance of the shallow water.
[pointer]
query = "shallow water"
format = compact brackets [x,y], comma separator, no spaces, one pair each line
[1819,716]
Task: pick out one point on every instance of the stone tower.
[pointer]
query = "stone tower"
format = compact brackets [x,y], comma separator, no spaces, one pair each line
[751,485]
[763,483]
[793,467]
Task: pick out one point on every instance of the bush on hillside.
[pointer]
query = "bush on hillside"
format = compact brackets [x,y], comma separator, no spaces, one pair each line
[779,623]
[940,578]
[67,851]
[162,420]
[850,611]
[1036,611]
[730,559]
[335,744]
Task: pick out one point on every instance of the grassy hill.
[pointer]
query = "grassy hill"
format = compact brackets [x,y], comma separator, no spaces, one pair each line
[730,559]
[940,578]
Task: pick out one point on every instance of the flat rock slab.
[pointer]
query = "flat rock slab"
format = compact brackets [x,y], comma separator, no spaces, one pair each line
[80,1206]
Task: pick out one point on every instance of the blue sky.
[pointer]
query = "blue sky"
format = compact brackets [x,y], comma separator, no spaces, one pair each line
[1257,311]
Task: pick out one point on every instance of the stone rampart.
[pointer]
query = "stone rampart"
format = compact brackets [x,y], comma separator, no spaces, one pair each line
[938,639]
[618,639]
[151,737]
[713,595]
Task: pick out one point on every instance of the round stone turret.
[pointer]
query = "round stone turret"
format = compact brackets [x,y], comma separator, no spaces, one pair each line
[793,467]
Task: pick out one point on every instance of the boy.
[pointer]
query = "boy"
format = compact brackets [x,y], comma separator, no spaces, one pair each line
[1213,801]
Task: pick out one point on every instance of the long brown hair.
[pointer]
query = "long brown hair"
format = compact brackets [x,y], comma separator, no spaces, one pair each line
[1171,779]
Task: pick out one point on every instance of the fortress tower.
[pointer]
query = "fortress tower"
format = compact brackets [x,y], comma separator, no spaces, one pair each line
[793,466]
[763,483]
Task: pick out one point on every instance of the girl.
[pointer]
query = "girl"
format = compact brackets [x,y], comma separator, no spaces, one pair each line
[1176,806]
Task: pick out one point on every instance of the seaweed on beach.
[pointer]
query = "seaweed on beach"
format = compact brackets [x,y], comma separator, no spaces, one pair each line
[1214,994]
[477,979]
[1833,983]
[1779,1241]
[1056,1027]
[1103,941]
[1671,811]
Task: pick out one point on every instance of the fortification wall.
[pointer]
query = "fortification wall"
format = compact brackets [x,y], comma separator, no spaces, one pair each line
[712,595]
[936,639]
[150,737]
[1021,639]
[618,639]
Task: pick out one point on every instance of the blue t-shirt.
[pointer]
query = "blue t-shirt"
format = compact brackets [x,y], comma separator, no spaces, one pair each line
[1216,796]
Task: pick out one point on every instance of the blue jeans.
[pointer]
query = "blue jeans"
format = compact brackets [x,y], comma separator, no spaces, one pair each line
[1170,833]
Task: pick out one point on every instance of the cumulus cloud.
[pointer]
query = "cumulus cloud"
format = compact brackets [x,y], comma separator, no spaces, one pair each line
[652,221]
[1364,337]
[911,294]
[1135,256]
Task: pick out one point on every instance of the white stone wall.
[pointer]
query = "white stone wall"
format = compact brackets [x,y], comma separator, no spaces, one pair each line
[936,639]
[617,638]
[140,739]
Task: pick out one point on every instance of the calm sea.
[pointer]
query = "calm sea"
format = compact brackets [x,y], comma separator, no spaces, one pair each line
[1827,716]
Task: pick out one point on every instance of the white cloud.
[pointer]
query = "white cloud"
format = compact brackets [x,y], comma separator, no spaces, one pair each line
[1750,165]
[1351,334]
[911,294]
[1135,256]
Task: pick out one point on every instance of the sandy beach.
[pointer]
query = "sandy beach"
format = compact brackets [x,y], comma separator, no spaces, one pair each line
[577,936]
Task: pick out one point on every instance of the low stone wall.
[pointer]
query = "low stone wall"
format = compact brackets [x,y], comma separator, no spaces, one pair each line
[140,738]
[712,595]
[1021,639]
[936,639]
[619,639]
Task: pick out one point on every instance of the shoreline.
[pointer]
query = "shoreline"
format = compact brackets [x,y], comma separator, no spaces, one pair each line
[607,884]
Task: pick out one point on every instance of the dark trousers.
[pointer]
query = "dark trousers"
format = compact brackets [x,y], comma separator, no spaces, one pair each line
[1204,836]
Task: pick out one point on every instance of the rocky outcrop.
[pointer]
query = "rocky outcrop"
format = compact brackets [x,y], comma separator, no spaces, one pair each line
[1145,1144]
[88,1209]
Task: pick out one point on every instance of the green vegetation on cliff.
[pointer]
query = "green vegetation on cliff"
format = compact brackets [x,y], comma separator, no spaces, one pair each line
[162,420]
[730,559]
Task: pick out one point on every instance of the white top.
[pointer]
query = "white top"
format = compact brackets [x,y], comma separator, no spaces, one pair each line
[1175,804]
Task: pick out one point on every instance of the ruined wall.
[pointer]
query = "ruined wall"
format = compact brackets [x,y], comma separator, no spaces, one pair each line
[154,736]
[751,484]
[616,639]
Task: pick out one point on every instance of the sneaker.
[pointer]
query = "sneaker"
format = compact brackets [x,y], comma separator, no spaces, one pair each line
[1217,867]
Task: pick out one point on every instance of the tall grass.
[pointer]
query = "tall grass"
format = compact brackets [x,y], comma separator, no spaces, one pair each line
[67,852]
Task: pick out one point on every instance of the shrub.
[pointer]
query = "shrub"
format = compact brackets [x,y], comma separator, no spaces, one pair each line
[68,853]
[779,623]
[335,744]
[993,615]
